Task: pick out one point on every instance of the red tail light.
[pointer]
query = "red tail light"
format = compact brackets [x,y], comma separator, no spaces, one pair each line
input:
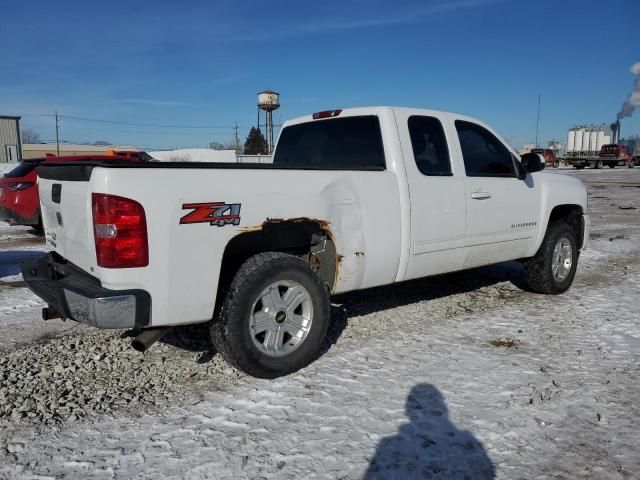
[120,231]
[19,186]
[326,114]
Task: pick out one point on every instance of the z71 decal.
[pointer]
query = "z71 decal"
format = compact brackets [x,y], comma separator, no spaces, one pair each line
[215,213]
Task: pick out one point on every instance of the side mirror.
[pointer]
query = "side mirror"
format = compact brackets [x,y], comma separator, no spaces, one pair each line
[532,162]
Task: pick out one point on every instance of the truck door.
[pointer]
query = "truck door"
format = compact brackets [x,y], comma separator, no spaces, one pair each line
[502,210]
[437,192]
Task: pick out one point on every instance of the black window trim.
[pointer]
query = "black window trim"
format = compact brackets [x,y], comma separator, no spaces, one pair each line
[444,134]
[514,167]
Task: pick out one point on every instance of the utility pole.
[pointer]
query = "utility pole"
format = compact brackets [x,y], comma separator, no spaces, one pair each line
[538,121]
[57,136]
[237,140]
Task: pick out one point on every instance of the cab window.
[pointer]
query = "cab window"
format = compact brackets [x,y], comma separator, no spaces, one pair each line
[483,154]
[430,149]
[349,143]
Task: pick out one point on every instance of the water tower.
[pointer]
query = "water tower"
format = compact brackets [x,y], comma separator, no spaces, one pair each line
[268,101]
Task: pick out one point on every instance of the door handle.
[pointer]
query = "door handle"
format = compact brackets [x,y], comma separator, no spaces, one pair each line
[480,195]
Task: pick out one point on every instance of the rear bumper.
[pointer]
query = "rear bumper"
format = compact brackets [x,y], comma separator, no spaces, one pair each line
[77,295]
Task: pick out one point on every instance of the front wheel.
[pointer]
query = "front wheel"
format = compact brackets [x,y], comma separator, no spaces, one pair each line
[598,164]
[632,163]
[274,317]
[552,269]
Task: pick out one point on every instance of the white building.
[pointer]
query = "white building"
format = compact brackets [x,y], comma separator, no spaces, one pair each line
[10,147]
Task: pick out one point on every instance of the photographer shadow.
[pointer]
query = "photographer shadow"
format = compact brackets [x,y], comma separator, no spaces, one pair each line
[430,446]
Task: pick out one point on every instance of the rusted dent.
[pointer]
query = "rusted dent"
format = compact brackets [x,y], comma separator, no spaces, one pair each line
[324,224]
[314,258]
[336,276]
[255,228]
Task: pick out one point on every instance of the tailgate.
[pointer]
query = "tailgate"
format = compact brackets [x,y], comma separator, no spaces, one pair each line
[66,214]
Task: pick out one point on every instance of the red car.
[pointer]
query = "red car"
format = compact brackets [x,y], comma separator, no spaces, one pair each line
[19,200]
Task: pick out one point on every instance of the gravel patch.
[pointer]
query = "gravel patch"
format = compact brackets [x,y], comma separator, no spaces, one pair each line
[69,378]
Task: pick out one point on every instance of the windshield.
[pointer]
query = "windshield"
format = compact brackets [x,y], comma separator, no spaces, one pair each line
[22,170]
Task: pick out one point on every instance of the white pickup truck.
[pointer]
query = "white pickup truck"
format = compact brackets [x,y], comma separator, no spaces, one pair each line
[354,198]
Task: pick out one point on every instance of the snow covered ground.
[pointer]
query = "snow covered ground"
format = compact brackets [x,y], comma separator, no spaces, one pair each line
[459,376]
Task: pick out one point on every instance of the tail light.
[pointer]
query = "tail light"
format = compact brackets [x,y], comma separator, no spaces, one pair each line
[120,231]
[18,186]
[326,114]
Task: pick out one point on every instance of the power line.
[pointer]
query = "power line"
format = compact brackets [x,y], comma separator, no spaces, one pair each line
[153,125]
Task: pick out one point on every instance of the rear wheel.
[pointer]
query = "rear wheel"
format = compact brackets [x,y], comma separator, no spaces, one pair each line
[274,317]
[553,268]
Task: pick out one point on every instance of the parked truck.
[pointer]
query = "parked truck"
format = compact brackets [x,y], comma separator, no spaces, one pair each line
[354,199]
[611,155]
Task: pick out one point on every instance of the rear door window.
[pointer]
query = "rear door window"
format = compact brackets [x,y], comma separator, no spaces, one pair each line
[483,154]
[430,149]
[350,143]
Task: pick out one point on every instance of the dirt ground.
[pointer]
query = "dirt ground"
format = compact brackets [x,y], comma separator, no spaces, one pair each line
[457,376]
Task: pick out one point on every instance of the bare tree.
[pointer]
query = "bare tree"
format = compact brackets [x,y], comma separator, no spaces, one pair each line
[233,145]
[30,136]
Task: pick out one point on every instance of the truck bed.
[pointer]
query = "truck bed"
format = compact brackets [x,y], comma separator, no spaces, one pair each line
[82,170]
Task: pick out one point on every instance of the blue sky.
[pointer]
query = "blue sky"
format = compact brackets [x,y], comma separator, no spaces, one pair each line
[201,63]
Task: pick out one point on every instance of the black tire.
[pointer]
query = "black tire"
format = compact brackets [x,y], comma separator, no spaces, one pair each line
[612,165]
[538,270]
[230,330]
[598,164]
[632,163]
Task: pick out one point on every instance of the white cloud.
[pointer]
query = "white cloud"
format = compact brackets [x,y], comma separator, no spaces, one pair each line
[154,102]
[406,16]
